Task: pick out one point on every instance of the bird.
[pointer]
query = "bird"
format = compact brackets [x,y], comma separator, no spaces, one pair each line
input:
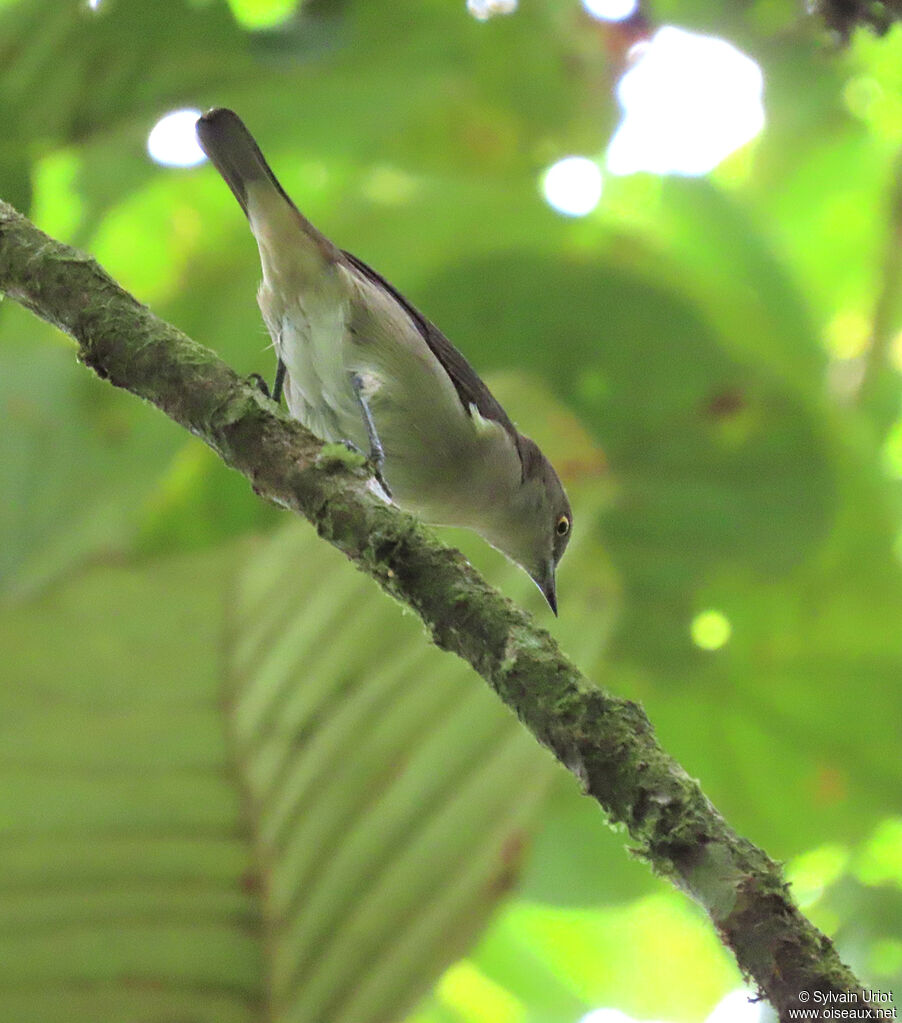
[360,365]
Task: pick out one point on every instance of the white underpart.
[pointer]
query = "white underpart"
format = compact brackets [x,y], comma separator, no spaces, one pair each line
[309,333]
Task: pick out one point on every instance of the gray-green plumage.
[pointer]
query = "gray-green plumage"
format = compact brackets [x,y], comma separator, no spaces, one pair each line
[354,345]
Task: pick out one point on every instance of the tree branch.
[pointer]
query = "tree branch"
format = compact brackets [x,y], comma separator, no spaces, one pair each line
[607,742]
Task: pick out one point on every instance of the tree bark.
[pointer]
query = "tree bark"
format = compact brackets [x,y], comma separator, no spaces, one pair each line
[606,741]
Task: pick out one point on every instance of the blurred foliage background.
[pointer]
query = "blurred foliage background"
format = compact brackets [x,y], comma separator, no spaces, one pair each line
[236,784]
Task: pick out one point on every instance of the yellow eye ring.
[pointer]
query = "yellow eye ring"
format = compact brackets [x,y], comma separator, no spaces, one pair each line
[563,526]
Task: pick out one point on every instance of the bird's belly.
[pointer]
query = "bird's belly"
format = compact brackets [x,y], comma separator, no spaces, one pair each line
[311,339]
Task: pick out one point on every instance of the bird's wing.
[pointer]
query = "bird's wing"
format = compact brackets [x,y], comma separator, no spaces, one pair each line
[472,392]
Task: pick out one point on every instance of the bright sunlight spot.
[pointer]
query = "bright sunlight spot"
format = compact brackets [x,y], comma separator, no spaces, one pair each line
[880,861]
[814,871]
[172,141]
[736,1008]
[688,102]
[482,10]
[573,186]
[886,957]
[93,4]
[892,452]
[848,334]
[895,352]
[608,1016]
[476,997]
[611,10]
[259,14]
[710,630]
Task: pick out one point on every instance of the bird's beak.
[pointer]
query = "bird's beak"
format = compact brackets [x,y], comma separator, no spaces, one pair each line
[545,582]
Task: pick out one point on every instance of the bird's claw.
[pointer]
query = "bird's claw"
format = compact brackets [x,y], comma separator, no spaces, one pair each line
[373,463]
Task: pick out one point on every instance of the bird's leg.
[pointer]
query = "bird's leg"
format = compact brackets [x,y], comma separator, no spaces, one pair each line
[377,454]
[262,386]
[279,382]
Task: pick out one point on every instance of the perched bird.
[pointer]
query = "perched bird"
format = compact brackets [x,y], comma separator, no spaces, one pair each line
[360,365]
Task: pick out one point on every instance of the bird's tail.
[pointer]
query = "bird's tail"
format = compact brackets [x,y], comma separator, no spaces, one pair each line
[235,154]
[276,222]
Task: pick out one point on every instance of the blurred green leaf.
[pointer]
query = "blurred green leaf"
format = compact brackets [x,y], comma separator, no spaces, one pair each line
[359,810]
[123,863]
[78,456]
[576,862]
[596,956]
[384,787]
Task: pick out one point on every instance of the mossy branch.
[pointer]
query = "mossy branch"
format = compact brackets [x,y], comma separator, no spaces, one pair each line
[607,742]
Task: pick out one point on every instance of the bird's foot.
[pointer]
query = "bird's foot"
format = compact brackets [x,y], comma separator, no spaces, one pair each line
[276,393]
[374,464]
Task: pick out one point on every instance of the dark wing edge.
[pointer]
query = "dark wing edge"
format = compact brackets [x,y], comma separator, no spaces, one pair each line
[470,389]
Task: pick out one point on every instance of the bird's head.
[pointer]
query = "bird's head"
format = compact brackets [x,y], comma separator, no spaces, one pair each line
[535,527]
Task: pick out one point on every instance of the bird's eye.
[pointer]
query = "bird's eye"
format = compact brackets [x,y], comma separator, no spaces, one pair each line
[563,526]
